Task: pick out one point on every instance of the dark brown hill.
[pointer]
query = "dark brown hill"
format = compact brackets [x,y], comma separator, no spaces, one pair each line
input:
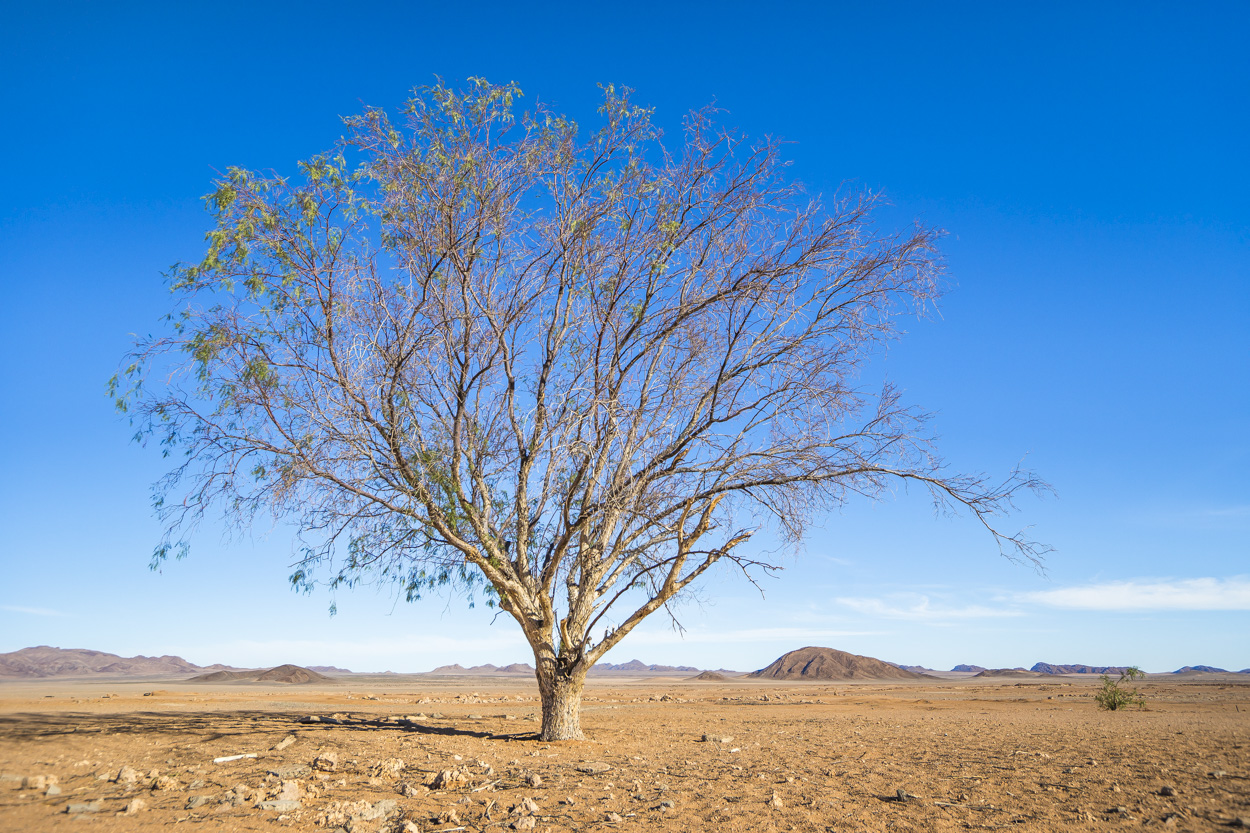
[828,664]
[293,674]
[710,677]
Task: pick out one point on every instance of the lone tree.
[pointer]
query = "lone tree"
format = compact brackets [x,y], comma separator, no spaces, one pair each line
[574,371]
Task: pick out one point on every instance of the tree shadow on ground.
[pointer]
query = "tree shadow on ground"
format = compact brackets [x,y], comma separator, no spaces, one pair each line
[212,725]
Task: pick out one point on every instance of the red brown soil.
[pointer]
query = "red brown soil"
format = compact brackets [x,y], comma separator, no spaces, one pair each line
[1032,755]
[831,664]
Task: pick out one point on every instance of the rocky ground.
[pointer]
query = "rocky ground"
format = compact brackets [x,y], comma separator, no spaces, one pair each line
[404,755]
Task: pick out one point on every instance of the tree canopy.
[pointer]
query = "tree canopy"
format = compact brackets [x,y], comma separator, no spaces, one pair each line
[573,370]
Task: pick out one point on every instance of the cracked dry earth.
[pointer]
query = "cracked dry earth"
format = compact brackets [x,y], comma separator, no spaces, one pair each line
[461,755]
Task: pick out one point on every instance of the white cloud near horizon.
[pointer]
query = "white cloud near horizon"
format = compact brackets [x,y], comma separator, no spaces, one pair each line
[31,611]
[1150,594]
[918,607]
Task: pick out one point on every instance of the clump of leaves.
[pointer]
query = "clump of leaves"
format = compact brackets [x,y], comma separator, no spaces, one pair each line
[1116,694]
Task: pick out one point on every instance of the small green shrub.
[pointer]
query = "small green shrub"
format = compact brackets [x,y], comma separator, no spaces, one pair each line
[1116,695]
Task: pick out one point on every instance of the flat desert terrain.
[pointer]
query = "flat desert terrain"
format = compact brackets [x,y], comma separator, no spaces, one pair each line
[459,754]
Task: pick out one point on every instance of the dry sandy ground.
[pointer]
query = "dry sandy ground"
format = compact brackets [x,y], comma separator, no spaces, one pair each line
[1013,755]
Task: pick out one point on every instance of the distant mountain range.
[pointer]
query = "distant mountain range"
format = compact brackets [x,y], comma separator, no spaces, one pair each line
[46,661]
[806,663]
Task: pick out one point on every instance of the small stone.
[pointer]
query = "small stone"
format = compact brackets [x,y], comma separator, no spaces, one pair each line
[476,717]
[1241,821]
[38,783]
[592,767]
[281,805]
[523,823]
[164,782]
[134,806]
[613,818]
[446,777]
[195,802]
[326,762]
[312,718]
[1169,791]
[775,802]
[1219,773]
[528,806]
[284,743]
[904,795]
[533,779]
[390,768]
[289,791]
[666,805]
[126,775]
[409,791]
[84,807]
[718,738]
[409,826]
[287,773]
[53,789]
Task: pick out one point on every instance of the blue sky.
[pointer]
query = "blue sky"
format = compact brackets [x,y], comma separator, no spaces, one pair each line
[1089,164]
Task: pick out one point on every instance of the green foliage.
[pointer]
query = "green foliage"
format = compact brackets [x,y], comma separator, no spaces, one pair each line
[1116,695]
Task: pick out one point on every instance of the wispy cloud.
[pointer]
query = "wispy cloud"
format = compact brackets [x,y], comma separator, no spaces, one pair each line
[31,611]
[1242,511]
[1151,594]
[917,606]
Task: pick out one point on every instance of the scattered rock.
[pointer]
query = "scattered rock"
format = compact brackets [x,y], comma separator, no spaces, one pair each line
[195,802]
[718,738]
[1169,791]
[326,762]
[533,779]
[134,806]
[528,807]
[593,767]
[350,813]
[525,823]
[904,795]
[666,805]
[409,791]
[126,775]
[164,782]
[447,817]
[284,743]
[613,818]
[84,807]
[775,802]
[291,771]
[409,826]
[281,805]
[1241,821]
[289,791]
[447,777]
[53,789]
[390,768]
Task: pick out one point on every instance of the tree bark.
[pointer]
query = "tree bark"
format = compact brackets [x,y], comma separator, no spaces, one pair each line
[560,690]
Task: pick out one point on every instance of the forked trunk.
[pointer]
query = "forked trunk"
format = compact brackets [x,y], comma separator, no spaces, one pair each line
[561,693]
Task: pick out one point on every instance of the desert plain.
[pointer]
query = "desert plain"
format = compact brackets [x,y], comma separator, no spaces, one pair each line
[394,753]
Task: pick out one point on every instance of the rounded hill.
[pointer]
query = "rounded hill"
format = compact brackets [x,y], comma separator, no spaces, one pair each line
[814,663]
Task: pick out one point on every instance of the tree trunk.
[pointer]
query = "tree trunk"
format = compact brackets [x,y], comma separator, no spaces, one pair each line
[561,692]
